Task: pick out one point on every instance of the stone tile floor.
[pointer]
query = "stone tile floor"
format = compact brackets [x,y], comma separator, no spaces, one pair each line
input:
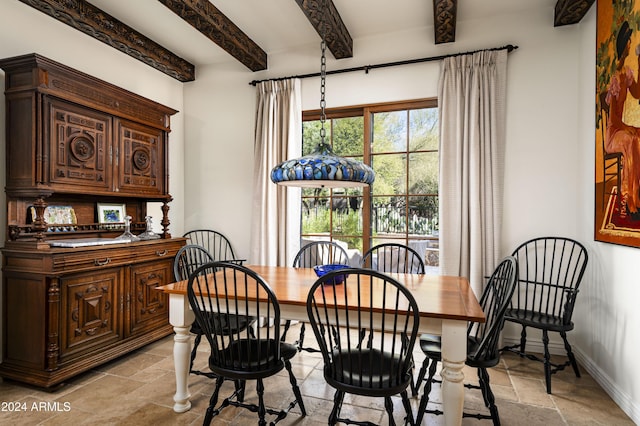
[138,389]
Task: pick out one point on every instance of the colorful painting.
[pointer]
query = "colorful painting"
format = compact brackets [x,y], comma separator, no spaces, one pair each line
[617,160]
[111,213]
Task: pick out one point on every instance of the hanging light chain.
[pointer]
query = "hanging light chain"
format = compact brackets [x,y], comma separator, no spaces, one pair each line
[323,75]
[323,103]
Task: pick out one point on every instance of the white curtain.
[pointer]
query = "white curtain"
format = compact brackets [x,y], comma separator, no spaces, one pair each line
[275,225]
[471,98]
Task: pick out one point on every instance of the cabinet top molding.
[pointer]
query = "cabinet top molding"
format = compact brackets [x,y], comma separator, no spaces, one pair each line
[35,72]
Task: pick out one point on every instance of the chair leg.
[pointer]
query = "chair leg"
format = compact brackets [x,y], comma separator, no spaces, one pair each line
[414,385]
[572,358]
[300,341]
[294,386]
[427,390]
[337,405]
[523,340]
[421,374]
[407,408]
[388,405]
[287,324]
[240,386]
[487,394]
[194,350]
[261,409]
[212,402]
[547,360]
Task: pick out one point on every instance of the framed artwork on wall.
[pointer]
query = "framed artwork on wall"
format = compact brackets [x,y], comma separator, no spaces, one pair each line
[111,213]
[617,159]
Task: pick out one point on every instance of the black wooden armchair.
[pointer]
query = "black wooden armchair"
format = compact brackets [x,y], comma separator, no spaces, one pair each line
[550,273]
[482,342]
[188,259]
[358,357]
[236,291]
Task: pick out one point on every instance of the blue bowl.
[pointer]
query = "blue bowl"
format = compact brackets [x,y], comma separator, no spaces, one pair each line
[323,269]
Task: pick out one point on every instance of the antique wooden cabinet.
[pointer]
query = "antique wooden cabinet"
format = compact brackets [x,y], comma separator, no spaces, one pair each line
[74,297]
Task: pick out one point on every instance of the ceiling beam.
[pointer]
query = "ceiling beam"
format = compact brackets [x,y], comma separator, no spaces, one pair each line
[444,20]
[214,25]
[335,33]
[570,11]
[98,24]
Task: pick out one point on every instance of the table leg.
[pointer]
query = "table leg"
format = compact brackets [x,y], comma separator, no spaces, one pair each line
[181,317]
[454,354]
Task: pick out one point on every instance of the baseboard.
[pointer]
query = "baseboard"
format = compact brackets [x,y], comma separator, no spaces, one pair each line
[624,400]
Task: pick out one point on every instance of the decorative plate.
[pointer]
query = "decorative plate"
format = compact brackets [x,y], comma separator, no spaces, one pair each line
[57,215]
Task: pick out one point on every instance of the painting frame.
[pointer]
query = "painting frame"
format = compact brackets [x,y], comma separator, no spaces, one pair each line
[617,132]
[111,213]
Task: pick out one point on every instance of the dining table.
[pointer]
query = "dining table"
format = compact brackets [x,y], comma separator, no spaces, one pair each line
[446,303]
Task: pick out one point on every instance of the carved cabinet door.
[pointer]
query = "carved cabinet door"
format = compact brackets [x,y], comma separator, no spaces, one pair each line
[149,307]
[91,316]
[78,155]
[141,159]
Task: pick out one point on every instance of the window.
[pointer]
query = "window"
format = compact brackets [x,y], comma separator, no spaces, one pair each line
[400,141]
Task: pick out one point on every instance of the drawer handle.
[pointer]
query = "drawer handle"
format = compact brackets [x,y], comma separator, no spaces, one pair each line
[99,262]
[162,253]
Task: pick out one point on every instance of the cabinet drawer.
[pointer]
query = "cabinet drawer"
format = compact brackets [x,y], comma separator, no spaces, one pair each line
[106,257]
[92,259]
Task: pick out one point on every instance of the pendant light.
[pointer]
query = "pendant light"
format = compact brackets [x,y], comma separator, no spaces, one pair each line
[322,168]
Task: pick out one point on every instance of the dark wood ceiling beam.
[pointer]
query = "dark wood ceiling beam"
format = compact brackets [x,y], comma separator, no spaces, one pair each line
[336,34]
[98,24]
[444,20]
[570,11]
[213,24]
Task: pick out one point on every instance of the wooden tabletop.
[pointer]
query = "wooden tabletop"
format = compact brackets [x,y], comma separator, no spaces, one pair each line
[444,297]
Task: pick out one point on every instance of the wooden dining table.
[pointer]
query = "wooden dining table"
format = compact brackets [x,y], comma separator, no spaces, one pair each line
[446,303]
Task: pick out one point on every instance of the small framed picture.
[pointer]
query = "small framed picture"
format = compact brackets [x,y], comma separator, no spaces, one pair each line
[111,213]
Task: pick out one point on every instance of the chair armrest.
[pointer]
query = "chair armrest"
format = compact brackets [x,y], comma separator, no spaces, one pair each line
[569,305]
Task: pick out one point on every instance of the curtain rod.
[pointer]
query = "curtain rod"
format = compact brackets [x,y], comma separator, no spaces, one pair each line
[366,68]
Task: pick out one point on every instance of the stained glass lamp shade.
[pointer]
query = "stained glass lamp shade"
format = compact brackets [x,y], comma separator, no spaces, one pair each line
[323,169]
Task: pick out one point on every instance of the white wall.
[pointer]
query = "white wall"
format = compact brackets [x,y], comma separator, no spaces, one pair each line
[607,315]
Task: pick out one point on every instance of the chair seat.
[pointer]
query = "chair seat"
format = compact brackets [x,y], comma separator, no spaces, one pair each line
[431,345]
[259,358]
[538,320]
[368,371]
[228,323]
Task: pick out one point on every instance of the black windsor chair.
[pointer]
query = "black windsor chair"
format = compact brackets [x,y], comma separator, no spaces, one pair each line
[310,255]
[394,257]
[366,329]
[187,260]
[240,355]
[482,342]
[550,273]
[216,244]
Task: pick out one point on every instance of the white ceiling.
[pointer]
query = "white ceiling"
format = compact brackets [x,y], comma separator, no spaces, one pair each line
[280,25]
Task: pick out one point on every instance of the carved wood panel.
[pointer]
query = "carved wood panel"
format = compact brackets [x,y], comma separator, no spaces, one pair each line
[79,147]
[90,311]
[140,159]
[148,305]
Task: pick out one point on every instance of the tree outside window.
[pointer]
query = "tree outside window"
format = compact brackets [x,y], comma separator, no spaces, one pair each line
[400,142]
